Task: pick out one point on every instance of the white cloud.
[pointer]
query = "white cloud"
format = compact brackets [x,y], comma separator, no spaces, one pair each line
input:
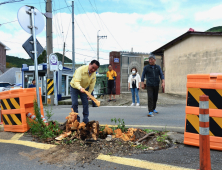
[154,17]
[126,30]
[210,14]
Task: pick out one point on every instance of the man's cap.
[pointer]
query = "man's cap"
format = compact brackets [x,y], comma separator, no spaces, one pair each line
[152,56]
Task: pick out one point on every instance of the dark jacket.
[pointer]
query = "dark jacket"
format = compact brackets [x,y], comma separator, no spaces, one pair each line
[153,75]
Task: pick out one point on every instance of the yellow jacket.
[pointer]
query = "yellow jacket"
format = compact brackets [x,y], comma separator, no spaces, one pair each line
[81,79]
[111,74]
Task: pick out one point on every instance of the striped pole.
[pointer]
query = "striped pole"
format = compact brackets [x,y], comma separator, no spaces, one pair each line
[204,138]
[1,122]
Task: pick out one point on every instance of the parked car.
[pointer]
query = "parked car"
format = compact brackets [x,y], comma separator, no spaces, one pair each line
[3,85]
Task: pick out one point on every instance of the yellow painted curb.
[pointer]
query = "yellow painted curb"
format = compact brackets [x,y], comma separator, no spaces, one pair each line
[17,136]
[28,143]
[148,126]
[139,163]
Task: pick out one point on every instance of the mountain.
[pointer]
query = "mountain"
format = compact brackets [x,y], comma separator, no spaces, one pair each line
[12,61]
[66,59]
[215,29]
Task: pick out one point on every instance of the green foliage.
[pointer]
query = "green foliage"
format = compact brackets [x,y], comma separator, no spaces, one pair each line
[66,59]
[49,113]
[149,130]
[161,138]
[13,61]
[121,124]
[42,58]
[140,146]
[17,62]
[39,129]
[215,29]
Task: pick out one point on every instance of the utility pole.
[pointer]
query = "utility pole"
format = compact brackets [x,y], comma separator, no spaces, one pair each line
[64,47]
[49,44]
[73,39]
[98,38]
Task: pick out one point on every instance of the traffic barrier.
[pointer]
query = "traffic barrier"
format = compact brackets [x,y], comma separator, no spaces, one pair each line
[1,122]
[14,106]
[210,85]
[33,117]
[204,141]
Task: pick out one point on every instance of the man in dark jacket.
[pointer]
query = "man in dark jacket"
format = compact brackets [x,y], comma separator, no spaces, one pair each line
[153,73]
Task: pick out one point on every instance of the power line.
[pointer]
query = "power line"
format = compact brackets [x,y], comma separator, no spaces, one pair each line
[10,2]
[105,25]
[8,22]
[81,30]
[87,15]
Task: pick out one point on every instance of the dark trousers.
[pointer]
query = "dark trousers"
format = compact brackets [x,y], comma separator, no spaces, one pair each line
[74,96]
[152,94]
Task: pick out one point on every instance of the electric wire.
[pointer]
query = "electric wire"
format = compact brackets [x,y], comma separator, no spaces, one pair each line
[81,30]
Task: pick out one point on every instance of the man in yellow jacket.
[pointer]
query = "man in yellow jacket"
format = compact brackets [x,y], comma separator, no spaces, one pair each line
[83,78]
[111,75]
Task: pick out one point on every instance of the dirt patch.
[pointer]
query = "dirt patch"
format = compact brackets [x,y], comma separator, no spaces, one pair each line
[75,151]
[125,99]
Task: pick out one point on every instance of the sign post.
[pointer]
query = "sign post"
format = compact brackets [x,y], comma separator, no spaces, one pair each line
[53,61]
[27,15]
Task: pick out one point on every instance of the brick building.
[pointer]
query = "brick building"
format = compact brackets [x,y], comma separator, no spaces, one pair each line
[3,49]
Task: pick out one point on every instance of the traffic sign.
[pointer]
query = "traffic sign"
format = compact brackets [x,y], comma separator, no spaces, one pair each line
[29,48]
[24,20]
[53,61]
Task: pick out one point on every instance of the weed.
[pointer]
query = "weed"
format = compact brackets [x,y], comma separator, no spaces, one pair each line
[121,124]
[162,138]
[39,129]
[140,146]
[49,113]
[150,130]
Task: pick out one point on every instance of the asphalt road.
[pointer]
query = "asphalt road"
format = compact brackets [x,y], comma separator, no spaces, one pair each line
[171,117]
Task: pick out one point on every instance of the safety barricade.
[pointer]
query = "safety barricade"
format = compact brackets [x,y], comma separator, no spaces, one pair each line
[1,122]
[210,85]
[14,106]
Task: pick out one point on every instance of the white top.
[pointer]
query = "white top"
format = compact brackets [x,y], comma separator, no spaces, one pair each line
[131,79]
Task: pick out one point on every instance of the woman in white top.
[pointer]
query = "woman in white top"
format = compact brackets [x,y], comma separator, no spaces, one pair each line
[134,85]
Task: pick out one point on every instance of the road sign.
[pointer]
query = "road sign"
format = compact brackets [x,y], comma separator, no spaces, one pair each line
[29,48]
[53,61]
[24,20]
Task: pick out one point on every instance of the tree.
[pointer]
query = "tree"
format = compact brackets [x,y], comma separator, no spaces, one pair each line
[42,57]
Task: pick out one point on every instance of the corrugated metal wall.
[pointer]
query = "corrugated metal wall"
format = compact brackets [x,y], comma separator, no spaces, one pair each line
[127,63]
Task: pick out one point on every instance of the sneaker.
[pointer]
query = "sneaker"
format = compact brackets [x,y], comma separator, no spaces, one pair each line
[150,114]
[133,104]
[137,104]
[155,111]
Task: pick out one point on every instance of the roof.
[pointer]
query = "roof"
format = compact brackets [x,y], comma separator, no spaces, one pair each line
[183,37]
[6,48]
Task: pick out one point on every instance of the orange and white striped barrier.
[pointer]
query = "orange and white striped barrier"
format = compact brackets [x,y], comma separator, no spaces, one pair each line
[33,117]
[204,138]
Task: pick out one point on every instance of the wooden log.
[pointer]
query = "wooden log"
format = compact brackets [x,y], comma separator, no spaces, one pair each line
[93,98]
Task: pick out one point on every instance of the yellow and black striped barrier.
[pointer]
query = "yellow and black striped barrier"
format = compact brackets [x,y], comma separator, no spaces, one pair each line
[12,119]
[215,97]
[50,87]
[11,103]
[192,125]
[198,85]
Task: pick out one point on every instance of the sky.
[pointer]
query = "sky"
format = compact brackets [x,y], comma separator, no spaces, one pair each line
[143,25]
